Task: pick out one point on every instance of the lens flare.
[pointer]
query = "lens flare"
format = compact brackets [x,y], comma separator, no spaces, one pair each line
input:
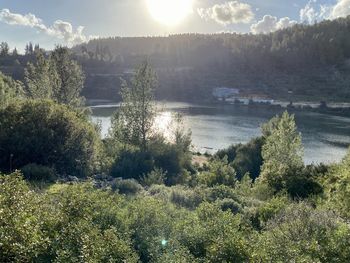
[169,12]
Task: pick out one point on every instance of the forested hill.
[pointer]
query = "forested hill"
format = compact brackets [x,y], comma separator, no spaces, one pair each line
[312,62]
[299,63]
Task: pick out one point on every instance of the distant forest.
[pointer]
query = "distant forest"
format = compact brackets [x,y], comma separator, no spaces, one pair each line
[299,63]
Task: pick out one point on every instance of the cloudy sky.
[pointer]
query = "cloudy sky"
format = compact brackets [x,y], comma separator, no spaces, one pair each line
[70,22]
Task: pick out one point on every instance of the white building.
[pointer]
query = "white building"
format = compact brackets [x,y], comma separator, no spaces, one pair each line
[224,93]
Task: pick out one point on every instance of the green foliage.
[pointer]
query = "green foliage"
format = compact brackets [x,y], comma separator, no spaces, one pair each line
[134,163]
[147,237]
[218,172]
[21,235]
[86,225]
[282,152]
[34,172]
[57,77]
[9,90]
[40,78]
[244,158]
[133,121]
[212,235]
[337,185]
[270,209]
[303,234]
[70,78]
[156,176]
[47,134]
[127,186]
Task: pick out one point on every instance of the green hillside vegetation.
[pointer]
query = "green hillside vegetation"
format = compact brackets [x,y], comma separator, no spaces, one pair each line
[304,62]
[66,195]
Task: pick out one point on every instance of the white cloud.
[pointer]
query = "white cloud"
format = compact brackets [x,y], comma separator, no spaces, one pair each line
[340,9]
[227,13]
[270,24]
[59,29]
[308,13]
[314,12]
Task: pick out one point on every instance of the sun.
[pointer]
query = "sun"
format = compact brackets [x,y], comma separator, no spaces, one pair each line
[169,12]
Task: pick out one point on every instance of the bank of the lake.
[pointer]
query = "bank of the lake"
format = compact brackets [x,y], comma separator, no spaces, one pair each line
[325,137]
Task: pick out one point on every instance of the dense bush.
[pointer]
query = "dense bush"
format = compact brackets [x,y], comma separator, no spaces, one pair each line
[135,163]
[34,172]
[127,186]
[47,134]
[337,186]
[244,158]
[303,234]
[218,172]
[21,233]
[9,90]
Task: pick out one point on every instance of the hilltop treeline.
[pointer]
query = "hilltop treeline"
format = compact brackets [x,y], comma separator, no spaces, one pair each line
[299,63]
[309,61]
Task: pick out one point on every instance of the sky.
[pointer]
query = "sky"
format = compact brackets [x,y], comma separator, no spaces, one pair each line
[70,22]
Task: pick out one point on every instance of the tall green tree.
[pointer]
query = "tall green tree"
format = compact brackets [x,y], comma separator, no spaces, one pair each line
[70,80]
[9,90]
[133,121]
[58,77]
[4,49]
[40,78]
[282,152]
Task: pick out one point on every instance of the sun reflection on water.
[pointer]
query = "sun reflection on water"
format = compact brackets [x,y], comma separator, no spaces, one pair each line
[163,122]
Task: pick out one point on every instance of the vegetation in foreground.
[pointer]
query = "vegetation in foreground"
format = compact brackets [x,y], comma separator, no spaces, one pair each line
[136,196]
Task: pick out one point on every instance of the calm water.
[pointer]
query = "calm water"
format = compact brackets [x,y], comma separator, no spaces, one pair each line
[215,127]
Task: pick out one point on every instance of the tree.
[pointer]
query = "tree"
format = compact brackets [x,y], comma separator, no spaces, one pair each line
[58,77]
[47,134]
[40,78]
[15,52]
[29,50]
[4,49]
[9,90]
[282,152]
[70,81]
[133,121]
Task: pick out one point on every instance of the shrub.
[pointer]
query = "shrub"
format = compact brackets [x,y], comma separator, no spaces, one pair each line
[230,205]
[301,233]
[186,197]
[157,176]
[212,235]
[218,172]
[132,163]
[244,158]
[337,185]
[34,172]
[303,187]
[128,186]
[47,134]
[21,235]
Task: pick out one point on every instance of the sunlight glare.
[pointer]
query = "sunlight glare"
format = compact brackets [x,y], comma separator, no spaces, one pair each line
[170,12]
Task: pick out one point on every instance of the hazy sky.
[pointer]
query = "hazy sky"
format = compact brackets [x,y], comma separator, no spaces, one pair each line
[69,22]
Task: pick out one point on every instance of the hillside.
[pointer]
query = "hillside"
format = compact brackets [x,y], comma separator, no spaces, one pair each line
[299,63]
[312,62]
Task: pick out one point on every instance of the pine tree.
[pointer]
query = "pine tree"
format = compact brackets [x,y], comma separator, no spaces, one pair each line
[4,49]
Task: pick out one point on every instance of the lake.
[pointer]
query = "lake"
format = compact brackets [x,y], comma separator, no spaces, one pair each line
[325,137]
